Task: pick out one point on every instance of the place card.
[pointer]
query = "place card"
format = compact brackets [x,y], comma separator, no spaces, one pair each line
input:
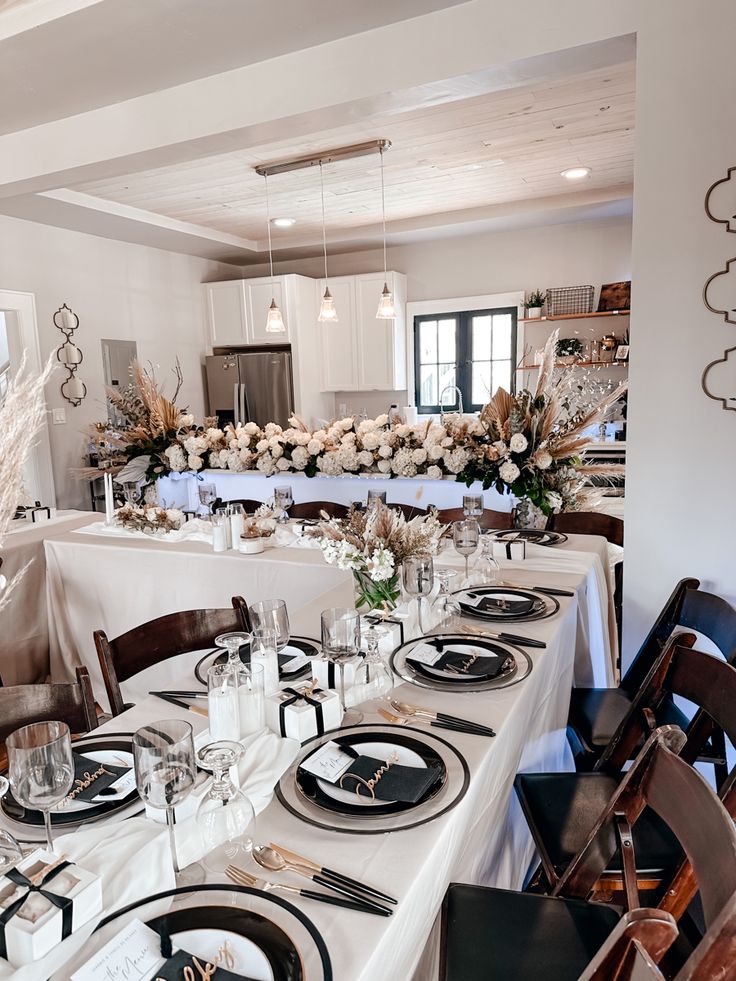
[328,763]
[92,777]
[425,654]
[130,956]
[123,786]
[291,664]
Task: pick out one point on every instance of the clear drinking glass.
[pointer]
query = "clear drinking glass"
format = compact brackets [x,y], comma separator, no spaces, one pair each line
[486,570]
[251,699]
[225,817]
[165,771]
[341,643]
[236,515]
[130,491]
[373,496]
[222,701]
[466,535]
[10,850]
[207,496]
[220,528]
[418,578]
[224,515]
[232,642]
[373,676]
[272,613]
[263,651]
[473,505]
[445,609]
[41,767]
[283,499]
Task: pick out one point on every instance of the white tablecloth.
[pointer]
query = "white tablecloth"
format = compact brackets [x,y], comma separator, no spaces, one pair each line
[24,638]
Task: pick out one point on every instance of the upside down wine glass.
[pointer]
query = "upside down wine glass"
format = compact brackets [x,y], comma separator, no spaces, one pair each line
[225,817]
[341,643]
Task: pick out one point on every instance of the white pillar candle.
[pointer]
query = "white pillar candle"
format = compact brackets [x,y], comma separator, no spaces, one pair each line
[74,388]
[236,529]
[252,709]
[219,538]
[69,320]
[410,414]
[222,706]
[270,661]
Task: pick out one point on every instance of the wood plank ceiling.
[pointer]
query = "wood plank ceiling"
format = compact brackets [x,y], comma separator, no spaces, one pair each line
[477,151]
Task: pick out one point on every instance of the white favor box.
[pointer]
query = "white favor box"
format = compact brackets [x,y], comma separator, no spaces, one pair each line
[394,631]
[509,550]
[28,941]
[300,718]
[327,672]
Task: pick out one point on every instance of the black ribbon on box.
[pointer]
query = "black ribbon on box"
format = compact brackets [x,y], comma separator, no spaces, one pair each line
[299,696]
[64,903]
[378,620]
[35,511]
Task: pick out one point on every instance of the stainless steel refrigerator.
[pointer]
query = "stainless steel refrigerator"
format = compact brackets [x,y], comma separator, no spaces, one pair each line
[256,386]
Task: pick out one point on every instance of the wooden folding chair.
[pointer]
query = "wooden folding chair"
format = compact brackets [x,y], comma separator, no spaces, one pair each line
[72,702]
[497,520]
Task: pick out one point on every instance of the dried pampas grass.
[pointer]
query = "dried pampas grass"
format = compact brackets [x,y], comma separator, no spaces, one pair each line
[21,418]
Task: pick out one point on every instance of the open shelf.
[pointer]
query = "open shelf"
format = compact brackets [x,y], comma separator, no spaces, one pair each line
[575,316]
[577,364]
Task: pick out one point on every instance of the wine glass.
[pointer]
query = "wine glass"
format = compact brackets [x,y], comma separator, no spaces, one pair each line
[10,850]
[472,505]
[418,577]
[207,496]
[130,491]
[445,609]
[283,499]
[373,677]
[486,569]
[225,817]
[373,497]
[466,535]
[273,614]
[165,771]
[341,643]
[232,642]
[41,767]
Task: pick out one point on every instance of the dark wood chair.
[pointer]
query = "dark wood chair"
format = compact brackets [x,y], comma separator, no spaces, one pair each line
[562,808]
[71,702]
[588,523]
[311,509]
[160,639]
[495,933]
[248,503]
[596,713]
[497,520]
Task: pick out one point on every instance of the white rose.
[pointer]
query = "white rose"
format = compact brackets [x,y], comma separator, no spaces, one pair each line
[314,447]
[274,441]
[435,452]
[277,451]
[194,462]
[346,423]
[543,459]
[370,441]
[509,472]
[381,420]
[365,459]
[419,456]
[402,430]
[186,421]
[272,429]
[261,445]
[283,463]
[434,473]
[518,443]
[384,466]
[385,451]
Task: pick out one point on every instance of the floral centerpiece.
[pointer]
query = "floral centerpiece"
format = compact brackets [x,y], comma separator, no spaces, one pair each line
[150,519]
[533,443]
[373,544]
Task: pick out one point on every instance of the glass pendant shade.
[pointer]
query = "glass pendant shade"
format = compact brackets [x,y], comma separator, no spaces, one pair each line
[327,309]
[274,320]
[386,309]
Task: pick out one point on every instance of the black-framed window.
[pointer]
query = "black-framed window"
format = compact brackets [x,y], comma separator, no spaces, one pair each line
[474,350]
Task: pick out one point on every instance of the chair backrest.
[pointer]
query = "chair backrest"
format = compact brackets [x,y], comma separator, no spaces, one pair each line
[657,637]
[711,616]
[311,509]
[634,947]
[497,520]
[70,702]
[249,504]
[678,794]
[589,523]
[160,639]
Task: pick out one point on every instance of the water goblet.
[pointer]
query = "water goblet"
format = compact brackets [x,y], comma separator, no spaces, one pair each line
[207,496]
[283,499]
[466,535]
[486,570]
[340,644]
[10,850]
[165,771]
[225,818]
[472,505]
[130,491]
[232,642]
[41,767]
[445,609]
[373,677]
[273,614]
[418,579]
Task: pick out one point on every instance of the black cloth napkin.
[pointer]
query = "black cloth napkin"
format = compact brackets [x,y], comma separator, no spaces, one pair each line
[407,784]
[173,970]
[488,664]
[505,607]
[84,768]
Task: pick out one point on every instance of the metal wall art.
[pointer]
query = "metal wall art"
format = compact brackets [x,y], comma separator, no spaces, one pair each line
[69,355]
[719,293]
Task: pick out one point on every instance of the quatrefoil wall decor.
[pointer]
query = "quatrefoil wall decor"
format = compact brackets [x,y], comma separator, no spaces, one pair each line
[719,380]
[69,355]
[719,292]
[720,200]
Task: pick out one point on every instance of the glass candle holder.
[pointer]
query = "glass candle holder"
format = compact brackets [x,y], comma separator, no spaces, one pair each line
[219,524]
[222,702]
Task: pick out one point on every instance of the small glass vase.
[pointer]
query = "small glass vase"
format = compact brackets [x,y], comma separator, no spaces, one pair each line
[528,515]
[371,595]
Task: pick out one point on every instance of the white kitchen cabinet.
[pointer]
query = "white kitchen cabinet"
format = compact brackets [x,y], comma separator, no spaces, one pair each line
[361,353]
[260,293]
[226,307]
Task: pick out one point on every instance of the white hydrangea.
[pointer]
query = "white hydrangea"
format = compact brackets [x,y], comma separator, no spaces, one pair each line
[176,457]
[370,441]
[381,565]
[262,445]
[419,456]
[277,451]
[250,428]
[272,430]
[348,458]
[266,464]
[299,457]
[508,472]
[402,464]
[196,445]
[366,426]
[457,459]
[518,443]
[214,435]
[275,441]
[365,459]
[314,447]
[283,464]
[434,473]
[235,462]
[194,462]
[387,438]
[329,464]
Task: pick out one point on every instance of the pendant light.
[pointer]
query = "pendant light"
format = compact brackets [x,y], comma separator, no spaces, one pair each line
[386,309]
[274,320]
[327,311]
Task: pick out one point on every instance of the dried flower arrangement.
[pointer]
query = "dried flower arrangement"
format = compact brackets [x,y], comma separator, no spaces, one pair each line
[151,520]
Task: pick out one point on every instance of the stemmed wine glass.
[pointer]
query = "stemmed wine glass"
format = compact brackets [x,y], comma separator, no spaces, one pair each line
[165,771]
[466,535]
[418,577]
[130,491]
[472,505]
[486,569]
[283,499]
[373,677]
[373,497]
[225,817]
[273,614]
[10,850]
[207,496]
[41,767]
[341,643]
[232,642]
[445,609]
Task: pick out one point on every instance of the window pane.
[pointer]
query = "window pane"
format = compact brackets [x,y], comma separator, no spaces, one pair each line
[502,375]
[501,336]
[481,339]
[447,377]
[481,392]
[446,347]
[428,342]
[428,385]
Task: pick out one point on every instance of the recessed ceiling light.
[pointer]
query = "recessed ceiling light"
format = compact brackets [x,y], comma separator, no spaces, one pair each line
[576,173]
[283,222]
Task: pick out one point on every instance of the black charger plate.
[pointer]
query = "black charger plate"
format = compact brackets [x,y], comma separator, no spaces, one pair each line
[535,536]
[306,645]
[544,606]
[492,646]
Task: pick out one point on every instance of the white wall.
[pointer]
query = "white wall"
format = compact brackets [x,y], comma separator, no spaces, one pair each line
[680,513]
[118,291]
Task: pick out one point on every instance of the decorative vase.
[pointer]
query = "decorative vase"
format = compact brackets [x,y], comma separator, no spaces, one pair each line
[373,595]
[528,515]
[534,313]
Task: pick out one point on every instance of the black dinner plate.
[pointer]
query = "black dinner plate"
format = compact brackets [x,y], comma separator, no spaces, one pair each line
[24,815]
[309,786]
[532,605]
[535,536]
[494,650]
[304,644]
[282,956]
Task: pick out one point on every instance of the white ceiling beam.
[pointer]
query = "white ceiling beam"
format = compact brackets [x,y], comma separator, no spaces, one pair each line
[390,69]
[33,13]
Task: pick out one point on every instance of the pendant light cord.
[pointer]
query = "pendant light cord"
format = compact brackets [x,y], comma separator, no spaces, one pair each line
[383,213]
[324,231]
[268,225]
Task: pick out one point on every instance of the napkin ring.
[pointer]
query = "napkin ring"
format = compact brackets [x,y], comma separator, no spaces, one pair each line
[370,784]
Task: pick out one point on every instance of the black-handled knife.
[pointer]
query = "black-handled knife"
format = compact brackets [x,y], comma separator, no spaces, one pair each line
[348,891]
[361,907]
[550,590]
[518,639]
